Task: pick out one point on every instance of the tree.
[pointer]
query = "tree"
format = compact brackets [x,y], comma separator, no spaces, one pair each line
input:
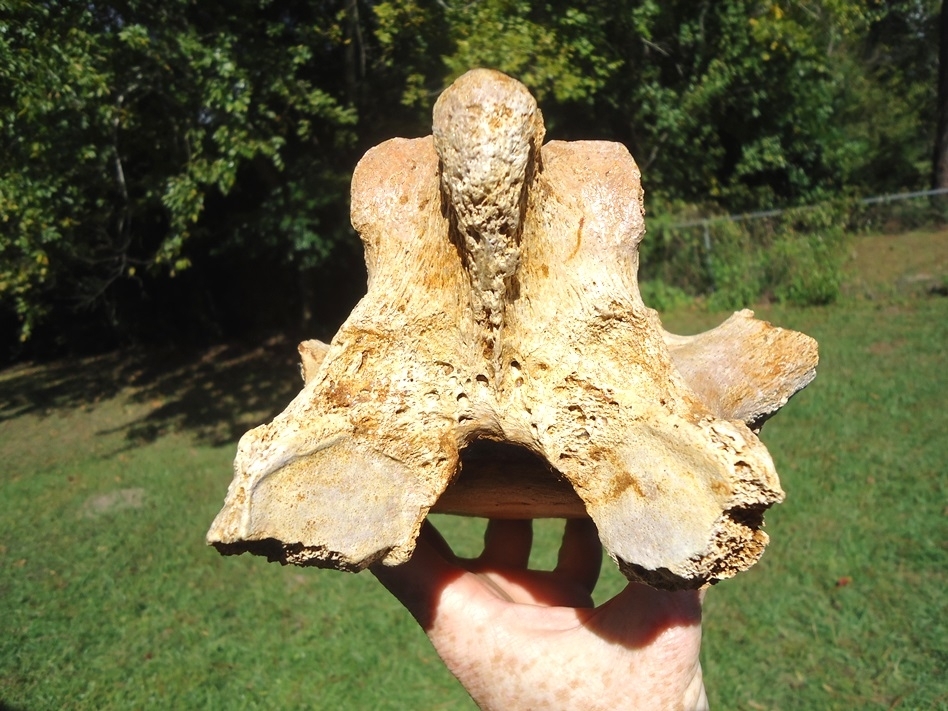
[156,154]
[740,103]
[758,104]
[130,127]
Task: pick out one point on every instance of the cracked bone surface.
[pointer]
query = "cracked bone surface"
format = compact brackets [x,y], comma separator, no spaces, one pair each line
[502,363]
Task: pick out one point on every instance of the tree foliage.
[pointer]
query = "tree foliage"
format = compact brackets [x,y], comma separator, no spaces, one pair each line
[741,103]
[155,148]
[124,122]
[759,104]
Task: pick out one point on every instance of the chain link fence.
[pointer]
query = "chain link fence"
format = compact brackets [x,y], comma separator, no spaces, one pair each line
[792,255]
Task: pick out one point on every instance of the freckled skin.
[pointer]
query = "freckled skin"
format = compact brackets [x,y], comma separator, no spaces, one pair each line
[518,639]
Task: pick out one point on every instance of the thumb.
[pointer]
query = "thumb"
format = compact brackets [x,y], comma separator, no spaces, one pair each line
[418,583]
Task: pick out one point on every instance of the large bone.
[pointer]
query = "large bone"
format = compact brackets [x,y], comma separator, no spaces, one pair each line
[503,313]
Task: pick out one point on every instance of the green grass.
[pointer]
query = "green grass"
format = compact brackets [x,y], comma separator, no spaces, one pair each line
[112,469]
[848,607]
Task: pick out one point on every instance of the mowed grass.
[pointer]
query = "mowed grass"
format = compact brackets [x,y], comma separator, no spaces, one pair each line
[112,469]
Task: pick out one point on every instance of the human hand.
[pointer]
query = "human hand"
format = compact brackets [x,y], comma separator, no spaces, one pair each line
[522,639]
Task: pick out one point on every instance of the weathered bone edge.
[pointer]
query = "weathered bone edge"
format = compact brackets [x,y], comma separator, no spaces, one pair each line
[502,364]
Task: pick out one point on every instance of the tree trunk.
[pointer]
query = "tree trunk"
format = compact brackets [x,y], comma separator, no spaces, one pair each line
[307,322]
[940,163]
[355,52]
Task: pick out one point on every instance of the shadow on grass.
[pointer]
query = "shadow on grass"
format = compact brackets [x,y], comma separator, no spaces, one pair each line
[215,394]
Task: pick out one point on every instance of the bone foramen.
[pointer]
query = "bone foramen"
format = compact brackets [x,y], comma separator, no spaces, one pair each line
[503,320]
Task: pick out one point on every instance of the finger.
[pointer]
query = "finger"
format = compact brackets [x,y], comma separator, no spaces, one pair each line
[580,557]
[507,543]
[417,584]
[432,536]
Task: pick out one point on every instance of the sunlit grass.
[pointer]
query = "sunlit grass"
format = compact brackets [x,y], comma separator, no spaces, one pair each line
[847,608]
[113,468]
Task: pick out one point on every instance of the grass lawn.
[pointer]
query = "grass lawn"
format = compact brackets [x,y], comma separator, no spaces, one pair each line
[113,467]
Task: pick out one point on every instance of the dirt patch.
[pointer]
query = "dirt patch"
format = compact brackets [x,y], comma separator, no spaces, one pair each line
[102,504]
[914,261]
[885,347]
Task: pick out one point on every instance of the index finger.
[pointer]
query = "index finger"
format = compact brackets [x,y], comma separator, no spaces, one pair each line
[580,557]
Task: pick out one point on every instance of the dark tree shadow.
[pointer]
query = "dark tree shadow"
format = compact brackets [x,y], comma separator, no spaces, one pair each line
[215,394]
[42,389]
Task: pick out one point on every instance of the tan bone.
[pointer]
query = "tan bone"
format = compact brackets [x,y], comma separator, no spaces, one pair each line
[503,364]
